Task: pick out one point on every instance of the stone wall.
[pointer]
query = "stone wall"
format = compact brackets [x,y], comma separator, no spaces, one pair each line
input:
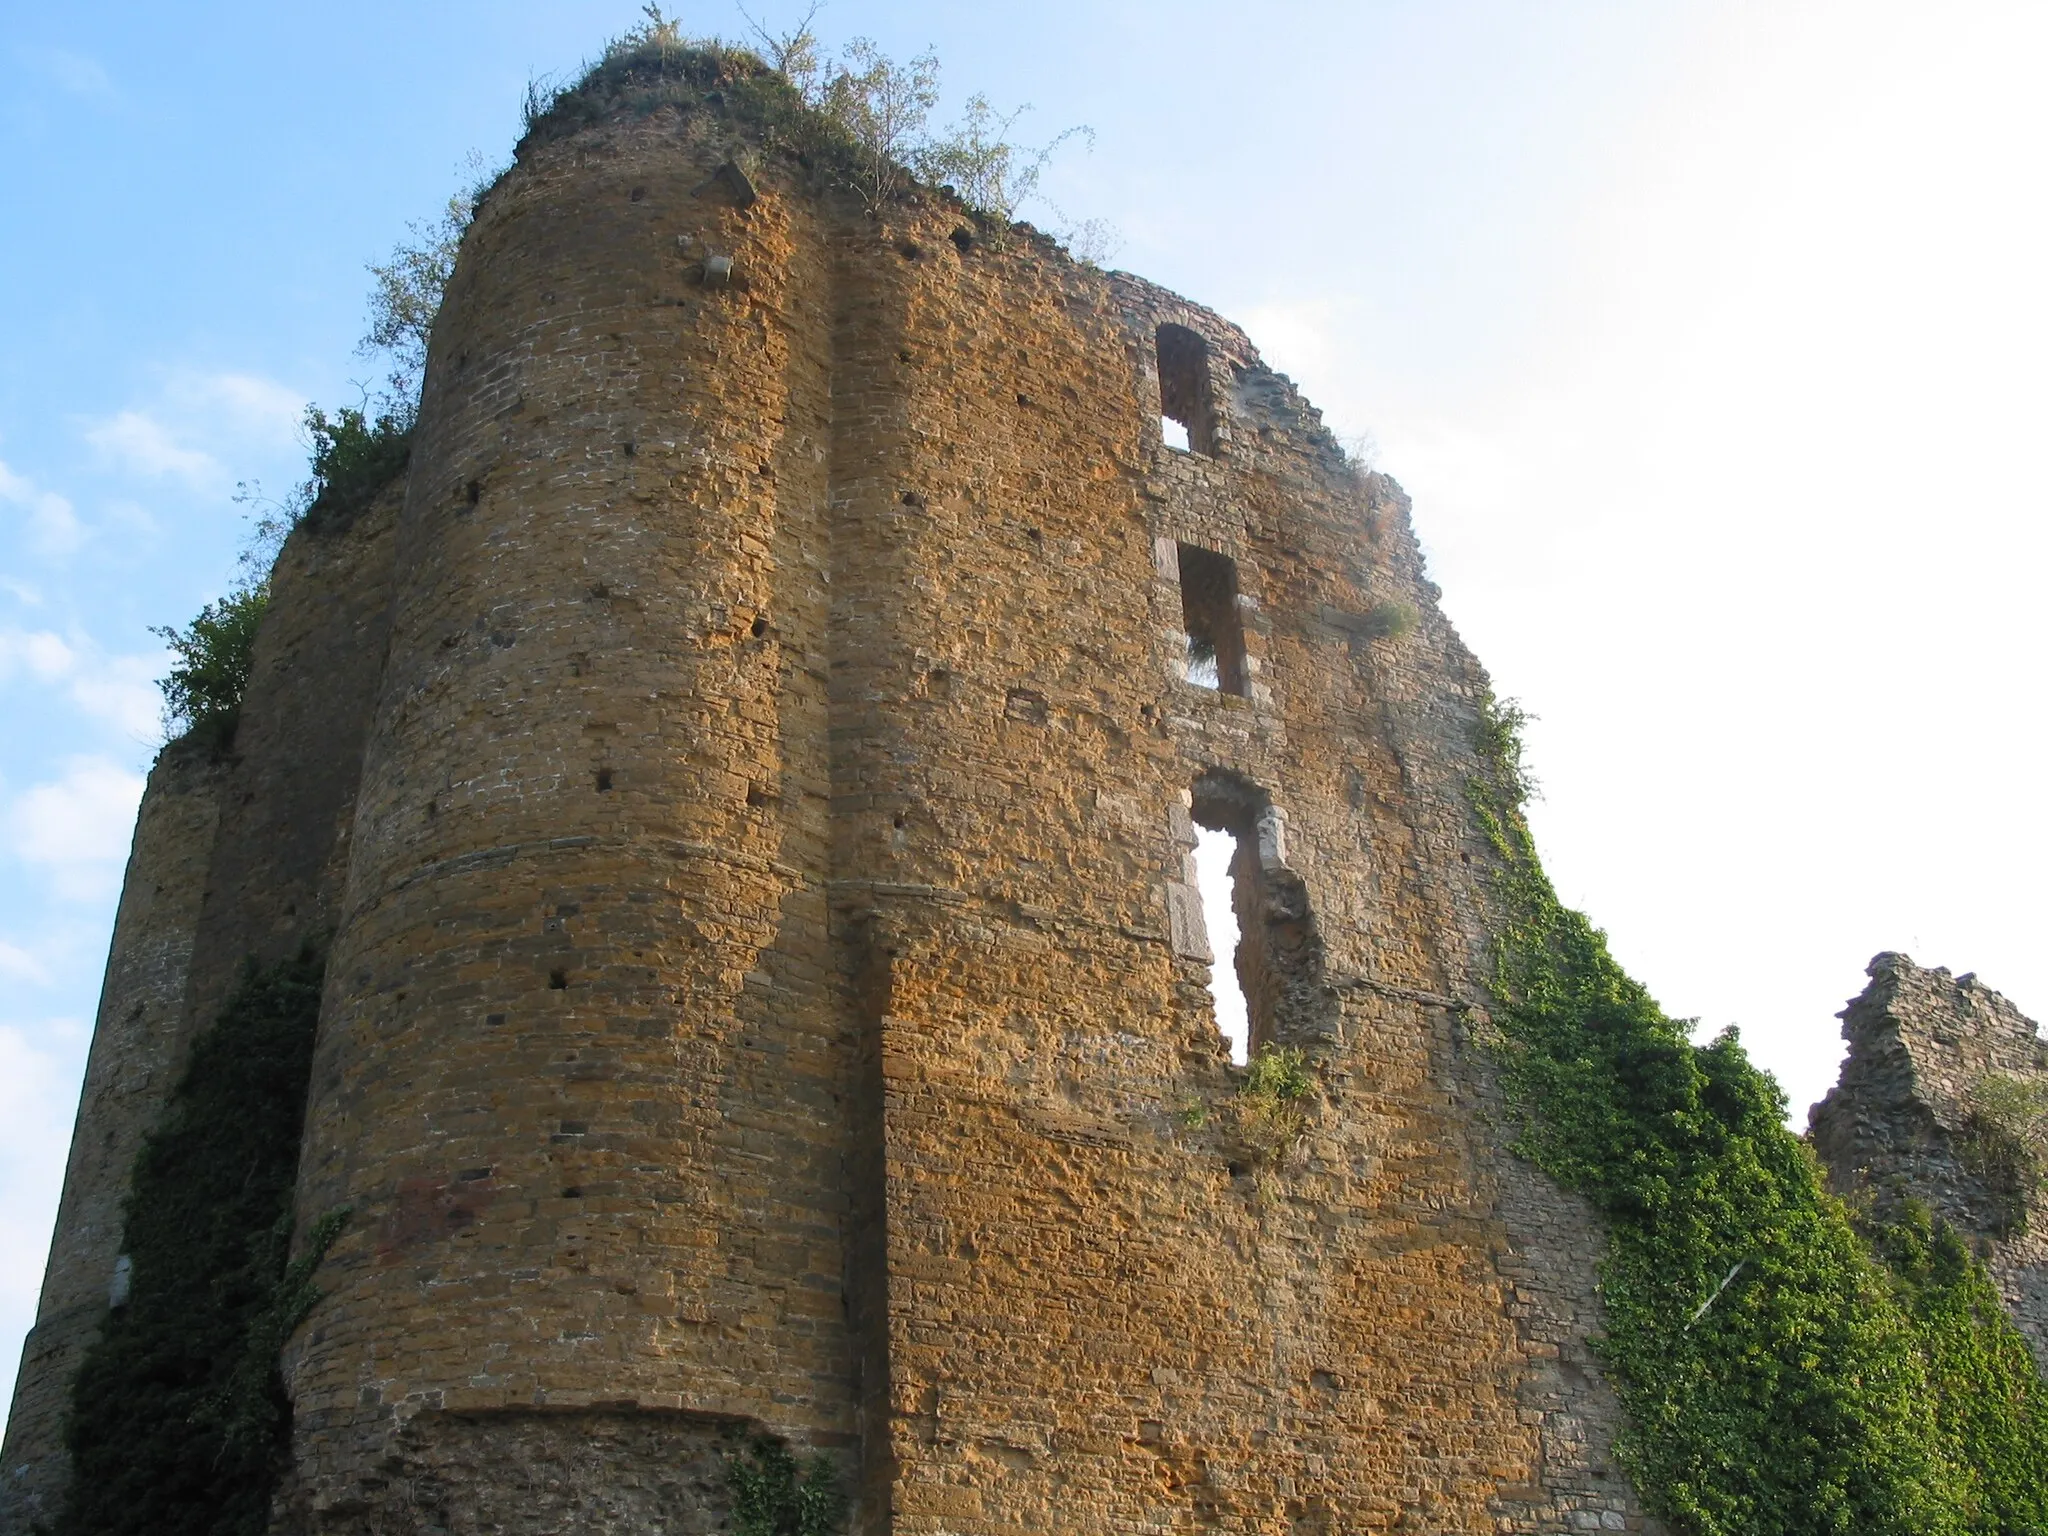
[768,995]
[582,1074]
[138,1046]
[232,858]
[288,801]
[1921,1042]
[757,1003]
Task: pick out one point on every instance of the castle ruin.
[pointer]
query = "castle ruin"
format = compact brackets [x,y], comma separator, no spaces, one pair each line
[749,768]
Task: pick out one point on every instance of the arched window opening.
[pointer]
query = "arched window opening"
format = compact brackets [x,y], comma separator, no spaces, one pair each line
[1209,615]
[1268,966]
[1187,413]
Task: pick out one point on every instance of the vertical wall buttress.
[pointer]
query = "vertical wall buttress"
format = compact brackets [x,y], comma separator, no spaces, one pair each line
[137,1051]
[581,1075]
[233,858]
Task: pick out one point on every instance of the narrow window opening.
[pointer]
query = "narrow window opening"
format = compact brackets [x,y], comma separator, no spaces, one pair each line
[1215,852]
[1266,977]
[1208,608]
[1187,411]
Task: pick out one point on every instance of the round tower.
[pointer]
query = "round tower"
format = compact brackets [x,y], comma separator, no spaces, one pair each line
[579,1064]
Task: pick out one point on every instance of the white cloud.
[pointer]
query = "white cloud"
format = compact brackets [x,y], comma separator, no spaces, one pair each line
[247,403]
[197,423]
[122,691]
[18,964]
[138,442]
[53,527]
[78,827]
[41,1065]
[44,656]
[119,691]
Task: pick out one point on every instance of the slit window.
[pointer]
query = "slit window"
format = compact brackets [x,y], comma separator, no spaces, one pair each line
[1266,978]
[1215,852]
[1208,609]
[1187,413]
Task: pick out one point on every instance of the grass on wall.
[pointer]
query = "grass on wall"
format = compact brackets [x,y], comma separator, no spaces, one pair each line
[1785,1367]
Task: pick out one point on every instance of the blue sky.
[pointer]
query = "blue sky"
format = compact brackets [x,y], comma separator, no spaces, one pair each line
[1706,337]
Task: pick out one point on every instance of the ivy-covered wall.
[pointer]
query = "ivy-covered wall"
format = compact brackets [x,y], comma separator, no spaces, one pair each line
[1788,1364]
[179,1421]
[1944,1093]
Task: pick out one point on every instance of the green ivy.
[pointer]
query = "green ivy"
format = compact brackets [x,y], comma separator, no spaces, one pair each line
[179,1422]
[1776,1376]
[1990,1408]
[773,1494]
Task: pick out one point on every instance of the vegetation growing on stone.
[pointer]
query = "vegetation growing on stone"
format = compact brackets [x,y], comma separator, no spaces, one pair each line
[1270,1110]
[179,1421]
[210,668]
[1990,1406]
[775,1494]
[2006,1142]
[862,123]
[407,292]
[1829,1386]
[354,457]
[1389,619]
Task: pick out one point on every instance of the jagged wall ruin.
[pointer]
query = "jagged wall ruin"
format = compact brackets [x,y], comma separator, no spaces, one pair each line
[1905,1118]
[751,781]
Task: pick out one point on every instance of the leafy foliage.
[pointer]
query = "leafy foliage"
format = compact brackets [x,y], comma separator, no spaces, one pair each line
[2006,1142]
[213,654]
[882,108]
[1776,1377]
[178,1418]
[354,457]
[773,1494]
[1990,1405]
[408,288]
[979,162]
[1270,1110]
[862,122]
[1389,619]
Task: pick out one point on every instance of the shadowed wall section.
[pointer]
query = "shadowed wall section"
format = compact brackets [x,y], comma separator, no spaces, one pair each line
[232,858]
[137,1052]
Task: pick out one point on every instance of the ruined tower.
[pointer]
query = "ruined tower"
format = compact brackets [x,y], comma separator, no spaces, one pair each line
[1917,1112]
[749,769]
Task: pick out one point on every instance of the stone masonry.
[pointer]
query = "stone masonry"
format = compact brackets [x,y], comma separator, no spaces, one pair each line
[137,1046]
[1921,1045]
[231,859]
[748,771]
